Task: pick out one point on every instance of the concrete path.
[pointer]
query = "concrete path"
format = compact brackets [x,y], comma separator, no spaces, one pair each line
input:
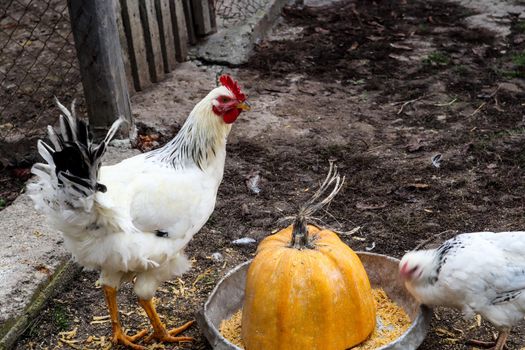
[232,45]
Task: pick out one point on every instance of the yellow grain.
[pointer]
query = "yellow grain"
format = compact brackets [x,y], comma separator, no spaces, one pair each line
[394,322]
[231,329]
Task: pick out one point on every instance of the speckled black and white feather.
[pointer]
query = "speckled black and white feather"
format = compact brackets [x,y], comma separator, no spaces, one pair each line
[67,183]
[478,273]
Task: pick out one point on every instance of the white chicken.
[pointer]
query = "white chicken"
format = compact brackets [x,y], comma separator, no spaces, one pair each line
[132,220]
[478,273]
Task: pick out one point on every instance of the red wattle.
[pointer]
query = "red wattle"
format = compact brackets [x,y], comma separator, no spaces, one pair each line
[230,116]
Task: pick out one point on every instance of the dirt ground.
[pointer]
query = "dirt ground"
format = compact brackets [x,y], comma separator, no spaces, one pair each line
[382,88]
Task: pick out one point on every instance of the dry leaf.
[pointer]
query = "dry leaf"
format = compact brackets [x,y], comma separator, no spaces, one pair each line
[418,186]
[400,46]
[399,58]
[414,145]
[366,206]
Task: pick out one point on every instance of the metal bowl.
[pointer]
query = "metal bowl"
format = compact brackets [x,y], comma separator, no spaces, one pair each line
[227,298]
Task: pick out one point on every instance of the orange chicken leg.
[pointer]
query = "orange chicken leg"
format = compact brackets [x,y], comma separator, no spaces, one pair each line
[118,335]
[160,333]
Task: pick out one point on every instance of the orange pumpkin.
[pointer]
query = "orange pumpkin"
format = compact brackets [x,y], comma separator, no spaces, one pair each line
[306,289]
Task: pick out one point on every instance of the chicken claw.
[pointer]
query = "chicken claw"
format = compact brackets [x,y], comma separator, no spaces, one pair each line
[120,338]
[160,333]
[170,336]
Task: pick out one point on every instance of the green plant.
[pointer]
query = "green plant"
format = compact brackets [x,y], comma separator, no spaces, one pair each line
[423,28]
[437,57]
[60,318]
[513,74]
[519,59]
[461,70]
[521,26]
[357,81]
[3,203]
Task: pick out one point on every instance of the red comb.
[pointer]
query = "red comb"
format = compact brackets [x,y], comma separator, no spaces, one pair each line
[232,85]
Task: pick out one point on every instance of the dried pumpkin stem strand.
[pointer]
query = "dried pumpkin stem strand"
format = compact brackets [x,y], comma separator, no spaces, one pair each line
[300,237]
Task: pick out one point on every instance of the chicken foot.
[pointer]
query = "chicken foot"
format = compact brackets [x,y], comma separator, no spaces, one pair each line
[118,335]
[160,333]
[498,345]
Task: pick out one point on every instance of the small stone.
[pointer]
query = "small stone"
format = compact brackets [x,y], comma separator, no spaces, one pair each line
[217,257]
[6,126]
[510,87]
[244,209]
[321,30]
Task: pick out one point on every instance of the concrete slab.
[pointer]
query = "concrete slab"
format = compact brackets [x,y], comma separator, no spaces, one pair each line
[232,45]
[493,15]
[33,262]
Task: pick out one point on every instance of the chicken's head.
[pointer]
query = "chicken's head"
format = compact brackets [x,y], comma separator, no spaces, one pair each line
[228,101]
[417,266]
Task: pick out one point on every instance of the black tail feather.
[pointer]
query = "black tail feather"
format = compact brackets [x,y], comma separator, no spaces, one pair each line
[76,158]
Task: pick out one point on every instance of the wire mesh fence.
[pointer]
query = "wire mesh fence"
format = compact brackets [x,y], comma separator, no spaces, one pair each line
[37,62]
[234,12]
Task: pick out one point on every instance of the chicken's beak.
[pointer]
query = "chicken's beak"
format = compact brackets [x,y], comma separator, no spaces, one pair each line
[404,271]
[244,106]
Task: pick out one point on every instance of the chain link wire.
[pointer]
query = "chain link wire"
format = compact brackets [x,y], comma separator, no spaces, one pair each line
[37,62]
[231,13]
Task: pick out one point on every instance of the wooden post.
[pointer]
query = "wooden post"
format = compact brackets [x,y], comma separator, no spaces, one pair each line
[180,31]
[201,17]
[94,26]
[148,16]
[166,34]
[190,25]
[213,18]
[136,43]
[125,50]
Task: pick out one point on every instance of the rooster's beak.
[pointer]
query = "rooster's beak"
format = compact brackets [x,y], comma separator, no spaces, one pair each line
[244,106]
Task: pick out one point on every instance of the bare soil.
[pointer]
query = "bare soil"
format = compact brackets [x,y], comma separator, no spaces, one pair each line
[380,87]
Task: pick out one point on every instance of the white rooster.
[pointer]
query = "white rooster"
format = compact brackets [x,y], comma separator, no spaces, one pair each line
[132,220]
[478,273]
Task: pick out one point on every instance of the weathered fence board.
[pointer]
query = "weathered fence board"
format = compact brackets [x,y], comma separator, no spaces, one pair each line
[125,46]
[190,24]
[213,18]
[201,17]
[136,43]
[148,14]
[124,49]
[180,32]
[166,35]
[94,26]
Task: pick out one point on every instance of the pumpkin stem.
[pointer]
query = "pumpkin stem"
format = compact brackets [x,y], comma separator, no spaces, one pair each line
[300,238]
[300,233]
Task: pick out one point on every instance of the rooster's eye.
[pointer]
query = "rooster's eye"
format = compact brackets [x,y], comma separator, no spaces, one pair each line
[224,99]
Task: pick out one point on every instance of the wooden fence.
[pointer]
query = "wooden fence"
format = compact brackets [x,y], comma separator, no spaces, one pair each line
[124,46]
